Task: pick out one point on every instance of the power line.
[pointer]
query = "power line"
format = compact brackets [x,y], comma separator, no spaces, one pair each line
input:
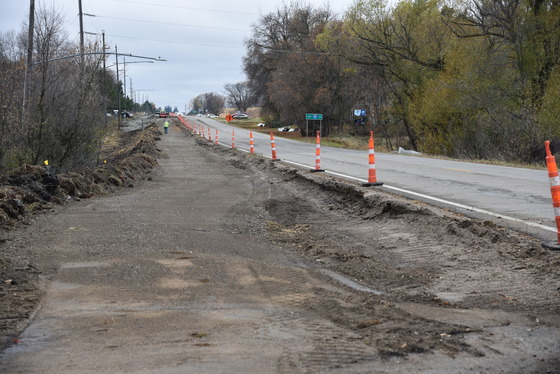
[222,46]
[190,8]
[165,23]
[175,42]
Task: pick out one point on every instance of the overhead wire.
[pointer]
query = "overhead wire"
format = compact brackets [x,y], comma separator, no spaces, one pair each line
[175,42]
[184,7]
[169,23]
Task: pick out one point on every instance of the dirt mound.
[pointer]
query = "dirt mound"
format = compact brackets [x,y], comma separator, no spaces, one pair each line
[32,189]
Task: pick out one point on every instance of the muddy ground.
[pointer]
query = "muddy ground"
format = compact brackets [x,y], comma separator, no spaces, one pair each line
[422,284]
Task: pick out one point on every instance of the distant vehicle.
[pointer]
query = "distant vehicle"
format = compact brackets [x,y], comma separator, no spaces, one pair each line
[163,114]
[261,125]
[199,115]
[241,116]
[126,114]
[211,116]
[288,129]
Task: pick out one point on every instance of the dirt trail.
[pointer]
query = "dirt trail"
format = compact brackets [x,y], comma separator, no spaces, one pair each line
[225,262]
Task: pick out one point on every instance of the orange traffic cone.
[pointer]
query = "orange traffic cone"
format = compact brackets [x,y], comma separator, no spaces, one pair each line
[318,154]
[555,192]
[273,146]
[251,143]
[372,175]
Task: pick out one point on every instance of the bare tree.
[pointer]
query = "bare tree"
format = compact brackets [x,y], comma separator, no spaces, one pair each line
[209,102]
[65,115]
[291,28]
[240,95]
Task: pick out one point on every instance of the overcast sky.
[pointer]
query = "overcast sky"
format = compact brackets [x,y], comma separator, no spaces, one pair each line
[202,41]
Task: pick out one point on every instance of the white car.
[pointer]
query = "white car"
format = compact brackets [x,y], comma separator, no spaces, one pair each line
[261,125]
[211,116]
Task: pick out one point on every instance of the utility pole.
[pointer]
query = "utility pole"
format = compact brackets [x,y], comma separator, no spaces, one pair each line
[118,88]
[131,96]
[104,80]
[82,48]
[124,81]
[29,65]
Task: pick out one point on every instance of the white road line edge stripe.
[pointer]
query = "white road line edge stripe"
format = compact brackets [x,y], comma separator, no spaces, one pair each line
[428,197]
[447,202]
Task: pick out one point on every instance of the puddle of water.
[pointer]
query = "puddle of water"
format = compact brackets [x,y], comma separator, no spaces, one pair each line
[350,283]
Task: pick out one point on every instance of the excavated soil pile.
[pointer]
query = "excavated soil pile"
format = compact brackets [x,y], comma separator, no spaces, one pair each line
[32,190]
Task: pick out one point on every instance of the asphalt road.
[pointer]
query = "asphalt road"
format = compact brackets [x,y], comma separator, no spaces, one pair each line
[513,197]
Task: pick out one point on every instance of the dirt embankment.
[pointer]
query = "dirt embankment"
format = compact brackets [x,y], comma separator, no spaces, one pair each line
[32,190]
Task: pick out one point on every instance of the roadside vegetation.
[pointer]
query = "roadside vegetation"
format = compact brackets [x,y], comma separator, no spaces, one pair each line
[53,106]
[473,79]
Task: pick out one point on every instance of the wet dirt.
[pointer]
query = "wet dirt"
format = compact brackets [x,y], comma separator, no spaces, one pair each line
[226,262]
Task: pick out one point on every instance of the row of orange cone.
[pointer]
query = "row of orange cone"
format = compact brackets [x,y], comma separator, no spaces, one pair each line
[553,175]
[199,129]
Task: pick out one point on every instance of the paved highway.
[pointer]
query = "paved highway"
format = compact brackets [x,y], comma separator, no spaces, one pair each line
[513,197]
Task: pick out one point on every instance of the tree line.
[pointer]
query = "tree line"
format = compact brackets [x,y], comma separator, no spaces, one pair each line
[56,109]
[462,78]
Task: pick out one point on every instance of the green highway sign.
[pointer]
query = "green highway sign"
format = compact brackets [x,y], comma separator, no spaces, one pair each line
[314,116]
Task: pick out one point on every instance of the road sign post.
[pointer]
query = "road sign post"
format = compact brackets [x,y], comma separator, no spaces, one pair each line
[313,117]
